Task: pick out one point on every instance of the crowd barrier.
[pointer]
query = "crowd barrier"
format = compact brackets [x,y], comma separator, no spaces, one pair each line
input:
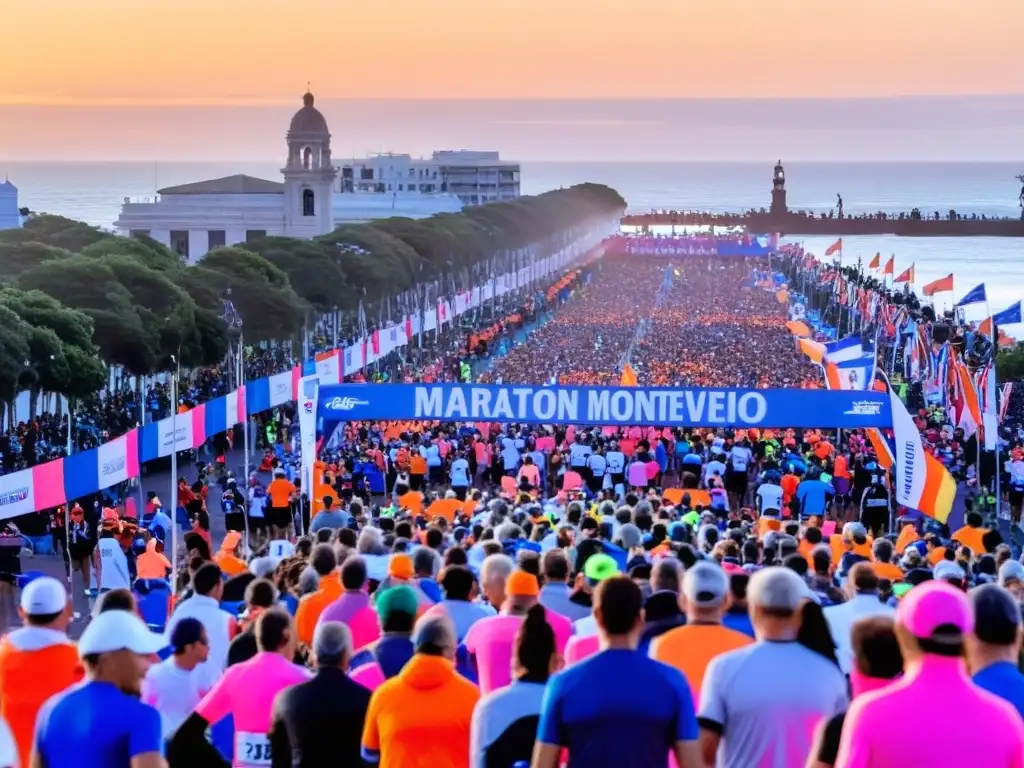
[58,481]
[695,245]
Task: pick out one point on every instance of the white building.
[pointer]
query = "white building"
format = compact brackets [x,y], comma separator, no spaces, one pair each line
[475,177]
[10,216]
[194,218]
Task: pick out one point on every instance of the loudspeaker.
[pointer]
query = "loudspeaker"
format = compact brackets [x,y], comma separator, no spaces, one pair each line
[940,333]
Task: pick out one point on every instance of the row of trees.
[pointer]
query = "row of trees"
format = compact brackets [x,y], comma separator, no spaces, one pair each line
[74,298]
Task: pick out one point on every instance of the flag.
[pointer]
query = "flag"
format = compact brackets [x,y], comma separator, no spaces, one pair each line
[836,247]
[1004,403]
[970,416]
[921,482]
[890,266]
[1008,316]
[942,285]
[974,296]
[875,262]
[629,378]
[990,408]
[906,276]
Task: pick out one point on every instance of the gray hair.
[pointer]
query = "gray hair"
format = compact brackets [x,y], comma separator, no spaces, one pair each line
[332,641]
[434,635]
[643,507]
[309,581]
[371,542]
[496,567]
[426,561]
[667,575]
[777,589]
[508,531]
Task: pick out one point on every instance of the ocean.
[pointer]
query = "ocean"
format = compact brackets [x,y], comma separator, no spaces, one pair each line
[93,192]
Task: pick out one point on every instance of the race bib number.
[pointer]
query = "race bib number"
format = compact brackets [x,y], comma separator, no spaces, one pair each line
[252,749]
[281,548]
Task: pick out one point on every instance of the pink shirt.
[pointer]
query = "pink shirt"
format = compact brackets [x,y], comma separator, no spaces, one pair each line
[247,691]
[935,716]
[546,444]
[580,648]
[492,640]
[368,675]
[636,474]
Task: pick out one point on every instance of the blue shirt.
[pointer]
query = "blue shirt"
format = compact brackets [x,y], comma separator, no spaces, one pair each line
[618,708]
[96,725]
[1005,681]
[813,496]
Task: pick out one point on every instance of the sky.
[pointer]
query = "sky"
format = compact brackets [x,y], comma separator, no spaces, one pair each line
[90,65]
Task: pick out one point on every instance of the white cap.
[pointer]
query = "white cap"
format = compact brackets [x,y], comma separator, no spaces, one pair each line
[947,569]
[119,631]
[43,596]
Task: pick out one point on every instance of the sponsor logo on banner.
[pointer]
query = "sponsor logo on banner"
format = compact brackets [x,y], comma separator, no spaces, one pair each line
[113,467]
[181,439]
[864,408]
[344,403]
[280,388]
[907,470]
[16,496]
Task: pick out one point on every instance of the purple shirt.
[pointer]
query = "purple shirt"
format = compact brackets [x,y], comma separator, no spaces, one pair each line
[345,608]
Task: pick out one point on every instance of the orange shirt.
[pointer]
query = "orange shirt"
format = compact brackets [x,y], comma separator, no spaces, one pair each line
[280,492]
[691,648]
[908,535]
[446,508]
[417,465]
[313,604]
[33,667]
[888,571]
[937,555]
[972,538]
[789,484]
[841,468]
[413,501]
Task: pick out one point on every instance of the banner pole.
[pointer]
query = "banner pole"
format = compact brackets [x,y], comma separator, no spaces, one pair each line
[174,478]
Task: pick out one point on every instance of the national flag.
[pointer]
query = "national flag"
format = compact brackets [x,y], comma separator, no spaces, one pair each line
[836,247]
[942,285]
[974,296]
[1004,402]
[1008,316]
[629,378]
[890,266]
[906,276]
[970,417]
[882,448]
[989,407]
[875,262]
[921,482]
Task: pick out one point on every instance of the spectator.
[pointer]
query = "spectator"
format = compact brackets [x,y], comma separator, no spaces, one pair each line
[864,602]
[993,649]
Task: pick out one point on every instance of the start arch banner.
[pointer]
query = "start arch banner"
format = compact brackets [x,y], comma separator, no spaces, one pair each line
[605,406]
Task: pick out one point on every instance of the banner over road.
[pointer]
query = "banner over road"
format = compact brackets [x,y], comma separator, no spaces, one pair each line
[605,406]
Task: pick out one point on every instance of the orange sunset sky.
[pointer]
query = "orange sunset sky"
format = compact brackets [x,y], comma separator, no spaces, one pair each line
[192,52]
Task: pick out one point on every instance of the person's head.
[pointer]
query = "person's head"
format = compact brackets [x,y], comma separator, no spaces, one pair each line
[667,576]
[862,580]
[118,600]
[521,592]
[997,626]
[397,608]
[555,566]
[426,562]
[274,632]
[208,581]
[189,643]
[854,535]
[458,583]
[1011,576]
[45,603]
[494,572]
[933,619]
[434,635]
[332,645]
[323,560]
[974,519]
[260,594]
[536,655]
[116,647]
[705,592]
[353,574]
[619,611]
[775,596]
[876,654]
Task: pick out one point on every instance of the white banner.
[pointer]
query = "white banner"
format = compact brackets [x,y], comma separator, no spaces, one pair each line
[176,433]
[309,386]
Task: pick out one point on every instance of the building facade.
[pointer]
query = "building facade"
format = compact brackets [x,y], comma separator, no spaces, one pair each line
[195,218]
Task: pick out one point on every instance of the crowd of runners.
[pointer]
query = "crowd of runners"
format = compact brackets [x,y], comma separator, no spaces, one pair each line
[515,595]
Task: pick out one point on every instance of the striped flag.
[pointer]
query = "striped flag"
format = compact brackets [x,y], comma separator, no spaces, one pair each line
[921,482]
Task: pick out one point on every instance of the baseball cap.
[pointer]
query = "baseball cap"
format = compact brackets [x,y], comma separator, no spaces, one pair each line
[705,585]
[600,567]
[521,584]
[1010,572]
[997,614]
[778,588]
[936,610]
[43,596]
[186,632]
[401,599]
[947,569]
[119,631]
[400,566]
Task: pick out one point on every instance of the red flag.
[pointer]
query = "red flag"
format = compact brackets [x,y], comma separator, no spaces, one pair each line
[907,276]
[890,266]
[875,262]
[408,327]
[376,342]
[835,247]
[942,285]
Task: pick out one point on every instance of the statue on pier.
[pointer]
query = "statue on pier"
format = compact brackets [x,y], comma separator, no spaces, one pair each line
[1020,198]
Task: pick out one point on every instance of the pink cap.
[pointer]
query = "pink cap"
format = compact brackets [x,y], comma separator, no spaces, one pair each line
[732,568]
[933,604]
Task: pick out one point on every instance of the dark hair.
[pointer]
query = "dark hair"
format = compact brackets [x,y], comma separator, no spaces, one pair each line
[303,547]
[814,633]
[618,603]
[535,645]
[876,652]
[196,543]
[348,538]
[434,538]
[260,593]
[353,573]
[118,600]
[323,536]
[946,640]
[822,558]
[323,560]
[43,619]
[555,565]
[457,582]
[273,628]
[864,578]
[206,578]
[738,586]
[813,535]
[455,556]
[403,530]
[796,562]
[529,561]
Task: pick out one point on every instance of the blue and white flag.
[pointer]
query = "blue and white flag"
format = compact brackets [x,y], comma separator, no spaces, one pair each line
[974,296]
[1008,316]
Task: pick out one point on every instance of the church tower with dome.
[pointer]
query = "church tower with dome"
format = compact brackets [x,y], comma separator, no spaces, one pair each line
[308,174]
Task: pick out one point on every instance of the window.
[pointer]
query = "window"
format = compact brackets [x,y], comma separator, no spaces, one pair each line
[179,242]
[252,235]
[307,158]
[138,233]
[366,174]
[308,203]
[399,187]
[412,171]
[217,239]
[346,172]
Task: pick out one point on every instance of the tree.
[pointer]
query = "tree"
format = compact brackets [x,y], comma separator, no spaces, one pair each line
[1010,364]
[380,265]
[15,375]
[314,272]
[17,257]
[143,249]
[58,231]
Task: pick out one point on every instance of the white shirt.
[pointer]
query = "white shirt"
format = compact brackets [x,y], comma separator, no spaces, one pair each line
[711,468]
[218,624]
[578,453]
[173,691]
[460,473]
[114,565]
[741,456]
[256,503]
[597,464]
[281,548]
[841,619]
[616,462]
[769,496]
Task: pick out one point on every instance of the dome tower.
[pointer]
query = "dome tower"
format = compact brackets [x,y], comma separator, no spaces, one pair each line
[308,174]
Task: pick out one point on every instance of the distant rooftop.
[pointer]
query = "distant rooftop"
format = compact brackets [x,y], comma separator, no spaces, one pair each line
[238,184]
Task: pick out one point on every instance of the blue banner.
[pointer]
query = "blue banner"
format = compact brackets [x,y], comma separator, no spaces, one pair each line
[605,406]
